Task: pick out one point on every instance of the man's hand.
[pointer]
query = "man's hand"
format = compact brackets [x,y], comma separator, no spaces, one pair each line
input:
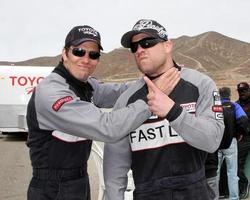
[159,103]
[167,81]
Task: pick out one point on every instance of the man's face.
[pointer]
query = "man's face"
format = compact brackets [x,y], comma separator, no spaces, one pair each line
[81,65]
[151,60]
[244,94]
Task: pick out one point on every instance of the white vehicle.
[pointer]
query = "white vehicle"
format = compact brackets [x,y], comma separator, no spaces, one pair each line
[17,84]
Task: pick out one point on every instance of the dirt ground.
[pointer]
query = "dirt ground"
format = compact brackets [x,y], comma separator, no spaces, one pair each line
[15,169]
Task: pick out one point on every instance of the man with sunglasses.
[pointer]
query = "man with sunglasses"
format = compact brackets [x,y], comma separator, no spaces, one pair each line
[244,144]
[63,119]
[166,155]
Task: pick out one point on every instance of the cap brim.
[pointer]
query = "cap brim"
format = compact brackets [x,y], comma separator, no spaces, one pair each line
[127,37]
[243,88]
[80,41]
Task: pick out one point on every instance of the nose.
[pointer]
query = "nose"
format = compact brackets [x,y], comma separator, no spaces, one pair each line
[139,49]
[85,58]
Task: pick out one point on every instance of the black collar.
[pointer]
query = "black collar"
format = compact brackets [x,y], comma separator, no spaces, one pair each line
[61,70]
[154,77]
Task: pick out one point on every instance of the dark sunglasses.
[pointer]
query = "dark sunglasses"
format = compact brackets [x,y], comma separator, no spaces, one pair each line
[144,43]
[79,52]
[242,90]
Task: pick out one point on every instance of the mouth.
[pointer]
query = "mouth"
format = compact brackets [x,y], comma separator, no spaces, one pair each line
[142,57]
[84,66]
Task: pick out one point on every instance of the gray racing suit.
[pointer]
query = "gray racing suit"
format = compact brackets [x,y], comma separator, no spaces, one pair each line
[62,119]
[167,155]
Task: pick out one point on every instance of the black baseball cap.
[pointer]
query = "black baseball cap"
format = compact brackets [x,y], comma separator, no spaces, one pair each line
[150,27]
[243,86]
[80,34]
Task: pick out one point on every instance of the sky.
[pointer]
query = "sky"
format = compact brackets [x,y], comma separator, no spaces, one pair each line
[35,28]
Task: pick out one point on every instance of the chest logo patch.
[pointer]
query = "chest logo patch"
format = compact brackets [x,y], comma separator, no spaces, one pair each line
[153,135]
[155,132]
[189,107]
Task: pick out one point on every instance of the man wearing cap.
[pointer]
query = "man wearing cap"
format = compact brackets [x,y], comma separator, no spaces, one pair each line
[236,123]
[166,154]
[63,119]
[244,144]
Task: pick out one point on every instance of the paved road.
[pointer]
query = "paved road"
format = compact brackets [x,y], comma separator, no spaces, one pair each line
[15,169]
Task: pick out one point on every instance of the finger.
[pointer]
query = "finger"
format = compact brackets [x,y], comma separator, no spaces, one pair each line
[150,84]
[166,75]
[149,99]
[150,103]
[170,71]
[173,75]
[167,78]
[150,91]
[175,79]
[150,95]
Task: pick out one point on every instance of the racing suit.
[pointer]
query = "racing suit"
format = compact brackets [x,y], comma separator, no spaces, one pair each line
[62,120]
[167,155]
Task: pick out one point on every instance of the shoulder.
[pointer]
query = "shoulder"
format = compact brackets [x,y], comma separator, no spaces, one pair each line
[52,82]
[237,106]
[51,88]
[134,86]
[94,81]
[125,96]
[195,76]
[200,80]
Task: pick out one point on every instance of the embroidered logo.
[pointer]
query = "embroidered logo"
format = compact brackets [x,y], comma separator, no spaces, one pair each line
[89,31]
[58,104]
[148,24]
[189,107]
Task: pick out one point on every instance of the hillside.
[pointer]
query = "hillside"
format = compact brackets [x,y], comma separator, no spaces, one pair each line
[225,59]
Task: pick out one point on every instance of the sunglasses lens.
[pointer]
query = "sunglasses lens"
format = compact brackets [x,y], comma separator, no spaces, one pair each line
[242,90]
[144,43]
[78,52]
[134,47]
[94,55]
[149,43]
[81,52]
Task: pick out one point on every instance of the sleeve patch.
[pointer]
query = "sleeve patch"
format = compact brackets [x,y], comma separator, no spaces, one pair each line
[217,108]
[58,104]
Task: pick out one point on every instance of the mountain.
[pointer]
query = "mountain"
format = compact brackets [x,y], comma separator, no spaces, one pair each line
[40,61]
[225,59]
[212,51]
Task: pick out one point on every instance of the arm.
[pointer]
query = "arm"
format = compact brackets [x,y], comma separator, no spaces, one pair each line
[202,130]
[116,164]
[83,119]
[106,94]
[242,121]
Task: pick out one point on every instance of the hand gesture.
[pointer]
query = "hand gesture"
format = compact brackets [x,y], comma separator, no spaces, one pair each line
[159,103]
[167,81]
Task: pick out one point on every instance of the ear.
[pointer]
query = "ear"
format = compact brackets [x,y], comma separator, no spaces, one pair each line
[65,54]
[168,46]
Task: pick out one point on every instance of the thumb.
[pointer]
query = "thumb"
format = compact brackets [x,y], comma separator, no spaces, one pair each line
[150,84]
